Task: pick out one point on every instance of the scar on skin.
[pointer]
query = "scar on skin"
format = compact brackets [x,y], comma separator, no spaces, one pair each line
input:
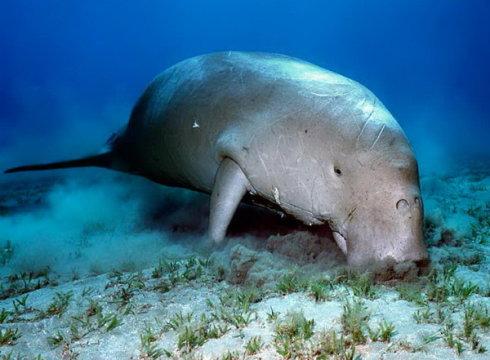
[362,130]
[351,214]
[320,95]
[377,137]
[367,120]
[275,193]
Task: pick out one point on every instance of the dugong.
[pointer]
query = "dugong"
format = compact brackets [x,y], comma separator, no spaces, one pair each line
[282,133]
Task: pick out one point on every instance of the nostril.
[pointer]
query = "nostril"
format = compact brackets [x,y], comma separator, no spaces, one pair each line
[402,204]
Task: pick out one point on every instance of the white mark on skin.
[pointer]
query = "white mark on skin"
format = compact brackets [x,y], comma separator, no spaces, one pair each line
[362,130]
[195,125]
[365,109]
[312,199]
[377,137]
[368,108]
[320,95]
[313,191]
[275,193]
[265,167]
[291,168]
[361,106]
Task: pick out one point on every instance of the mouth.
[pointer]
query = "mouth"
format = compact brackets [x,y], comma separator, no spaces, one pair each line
[341,241]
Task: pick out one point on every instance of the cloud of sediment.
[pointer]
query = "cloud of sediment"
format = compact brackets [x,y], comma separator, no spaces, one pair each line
[92,226]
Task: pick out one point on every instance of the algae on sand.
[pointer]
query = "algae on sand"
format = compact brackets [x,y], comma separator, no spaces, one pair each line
[181,300]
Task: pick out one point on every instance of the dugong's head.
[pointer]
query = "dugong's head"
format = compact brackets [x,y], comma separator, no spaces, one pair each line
[345,161]
[374,204]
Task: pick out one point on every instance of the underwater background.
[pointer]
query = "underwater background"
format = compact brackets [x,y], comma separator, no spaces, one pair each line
[101,265]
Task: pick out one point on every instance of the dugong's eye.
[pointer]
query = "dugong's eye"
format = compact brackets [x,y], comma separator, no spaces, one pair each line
[337,171]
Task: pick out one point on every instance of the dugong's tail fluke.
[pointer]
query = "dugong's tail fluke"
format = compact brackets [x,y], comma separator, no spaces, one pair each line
[102,160]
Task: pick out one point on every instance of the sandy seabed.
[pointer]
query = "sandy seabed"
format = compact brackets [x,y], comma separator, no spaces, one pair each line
[112,267]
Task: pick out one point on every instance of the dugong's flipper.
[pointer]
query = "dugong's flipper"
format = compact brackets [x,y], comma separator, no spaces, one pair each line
[230,185]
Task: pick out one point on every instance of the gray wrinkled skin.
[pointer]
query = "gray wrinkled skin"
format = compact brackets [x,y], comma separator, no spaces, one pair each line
[285,133]
[289,125]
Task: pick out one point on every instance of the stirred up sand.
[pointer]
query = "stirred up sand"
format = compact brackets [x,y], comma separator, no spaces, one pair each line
[113,267]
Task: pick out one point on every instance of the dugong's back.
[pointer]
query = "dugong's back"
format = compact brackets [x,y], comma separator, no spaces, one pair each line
[187,112]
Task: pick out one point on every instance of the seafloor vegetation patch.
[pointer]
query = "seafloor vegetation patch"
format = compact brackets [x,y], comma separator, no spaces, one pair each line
[25,282]
[9,336]
[360,284]
[291,335]
[254,345]
[354,320]
[290,283]
[254,299]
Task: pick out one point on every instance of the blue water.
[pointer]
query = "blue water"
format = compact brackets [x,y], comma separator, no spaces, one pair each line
[71,70]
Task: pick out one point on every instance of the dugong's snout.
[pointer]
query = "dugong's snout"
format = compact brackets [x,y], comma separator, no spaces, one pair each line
[384,233]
